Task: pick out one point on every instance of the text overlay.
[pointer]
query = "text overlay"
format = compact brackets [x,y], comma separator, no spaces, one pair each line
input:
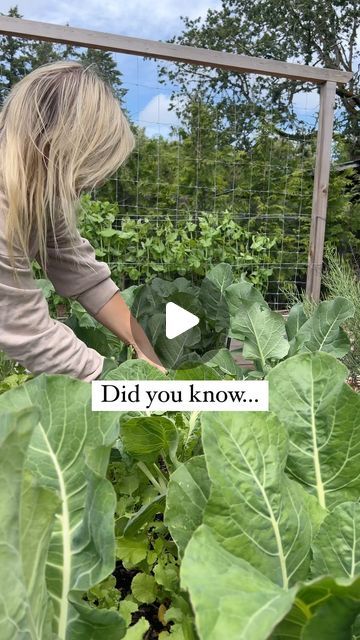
[173,395]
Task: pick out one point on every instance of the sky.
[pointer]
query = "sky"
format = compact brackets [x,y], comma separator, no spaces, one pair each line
[147,100]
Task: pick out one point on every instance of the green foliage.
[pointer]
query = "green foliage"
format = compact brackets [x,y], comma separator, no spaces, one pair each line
[55,302]
[269,30]
[13,380]
[240,517]
[95,335]
[265,549]
[329,467]
[180,222]
[12,374]
[236,309]
[139,248]
[65,502]
[225,308]
[340,278]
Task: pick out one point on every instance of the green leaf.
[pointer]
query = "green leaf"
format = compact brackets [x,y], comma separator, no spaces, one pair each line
[146,437]
[196,372]
[145,515]
[177,633]
[156,326]
[68,454]
[137,631]
[324,609]
[221,359]
[187,301]
[46,286]
[107,233]
[132,550]
[263,331]
[240,293]
[167,574]
[254,509]
[356,629]
[212,295]
[295,320]
[137,370]
[336,548]
[146,302]
[128,295]
[309,395]
[172,351]
[144,588]
[94,339]
[188,492]
[37,519]
[25,607]
[91,623]
[322,332]
[126,608]
[231,599]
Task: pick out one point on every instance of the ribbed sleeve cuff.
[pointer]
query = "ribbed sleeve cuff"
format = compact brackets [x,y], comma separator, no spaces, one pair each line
[93,299]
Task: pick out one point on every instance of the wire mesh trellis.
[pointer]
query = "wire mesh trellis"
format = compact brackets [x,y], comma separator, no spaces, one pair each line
[184,172]
[217,189]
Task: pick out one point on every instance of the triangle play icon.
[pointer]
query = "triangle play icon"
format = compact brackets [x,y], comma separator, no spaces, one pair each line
[178,320]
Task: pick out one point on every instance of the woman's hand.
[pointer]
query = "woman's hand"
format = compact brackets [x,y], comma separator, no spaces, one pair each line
[151,358]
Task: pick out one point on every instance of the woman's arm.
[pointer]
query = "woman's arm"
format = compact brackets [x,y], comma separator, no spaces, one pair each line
[28,335]
[88,280]
[116,316]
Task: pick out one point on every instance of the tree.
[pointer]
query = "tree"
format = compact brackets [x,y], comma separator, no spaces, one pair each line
[14,58]
[42,52]
[19,56]
[314,32]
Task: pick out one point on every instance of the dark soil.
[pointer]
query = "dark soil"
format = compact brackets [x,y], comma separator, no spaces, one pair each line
[149,611]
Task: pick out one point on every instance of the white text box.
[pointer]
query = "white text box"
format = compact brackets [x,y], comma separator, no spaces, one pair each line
[181,395]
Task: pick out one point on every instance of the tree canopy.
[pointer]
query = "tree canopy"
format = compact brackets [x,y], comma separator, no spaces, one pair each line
[312,32]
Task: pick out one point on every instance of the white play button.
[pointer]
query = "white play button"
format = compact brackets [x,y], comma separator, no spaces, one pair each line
[178,320]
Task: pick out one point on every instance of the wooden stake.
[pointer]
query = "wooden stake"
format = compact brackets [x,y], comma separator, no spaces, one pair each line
[321,188]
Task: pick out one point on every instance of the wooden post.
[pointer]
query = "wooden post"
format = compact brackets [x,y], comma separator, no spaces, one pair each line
[321,187]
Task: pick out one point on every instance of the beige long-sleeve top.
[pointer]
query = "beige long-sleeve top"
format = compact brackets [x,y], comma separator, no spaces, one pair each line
[27,332]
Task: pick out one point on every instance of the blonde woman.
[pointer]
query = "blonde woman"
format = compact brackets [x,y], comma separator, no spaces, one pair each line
[62,132]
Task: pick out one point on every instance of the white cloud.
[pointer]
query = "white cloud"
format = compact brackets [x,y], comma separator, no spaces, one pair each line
[156,117]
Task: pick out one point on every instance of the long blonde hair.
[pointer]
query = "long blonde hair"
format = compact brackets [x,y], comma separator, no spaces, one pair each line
[62,131]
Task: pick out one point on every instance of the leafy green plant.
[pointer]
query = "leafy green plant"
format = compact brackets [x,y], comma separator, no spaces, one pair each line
[95,335]
[272,552]
[53,485]
[139,248]
[260,492]
[58,305]
[12,374]
[339,280]
[236,309]
[226,309]
[221,512]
